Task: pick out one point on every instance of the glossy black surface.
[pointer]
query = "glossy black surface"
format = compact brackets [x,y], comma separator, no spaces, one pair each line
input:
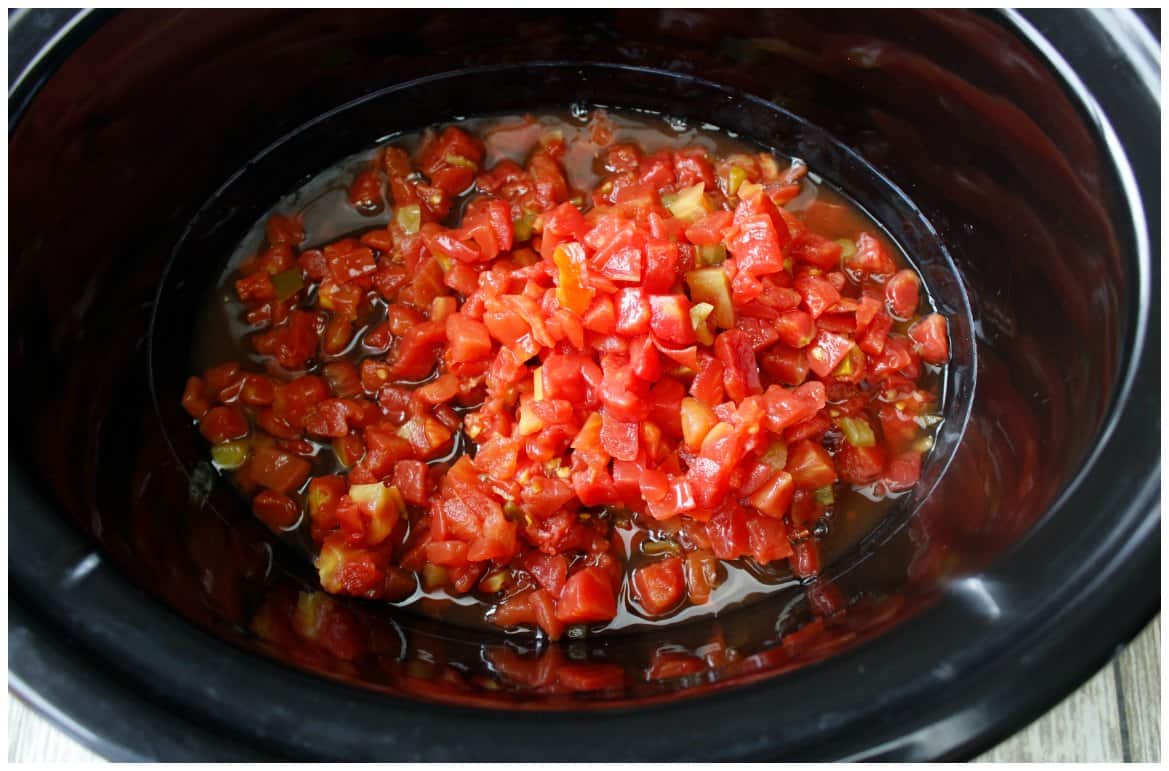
[1031,559]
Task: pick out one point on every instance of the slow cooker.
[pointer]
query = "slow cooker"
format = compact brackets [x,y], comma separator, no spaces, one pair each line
[1024,151]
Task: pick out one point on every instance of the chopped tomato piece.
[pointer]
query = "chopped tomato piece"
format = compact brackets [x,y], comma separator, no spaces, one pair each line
[278,471]
[810,465]
[860,465]
[774,498]
[587,597]
[658,587]
[277,511]
[740,369]
[222,424]
[871,257]
[670,319]
[795,328]
[818,294]
[827,351]
[768,541]
[468,339]
[813,249]
[633,312]
[728,533]
[930,340]
[901,294]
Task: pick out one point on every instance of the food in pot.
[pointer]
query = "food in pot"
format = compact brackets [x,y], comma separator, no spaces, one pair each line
[560,372]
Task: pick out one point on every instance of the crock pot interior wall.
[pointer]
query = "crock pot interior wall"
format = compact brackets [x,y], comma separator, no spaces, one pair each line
[155,111]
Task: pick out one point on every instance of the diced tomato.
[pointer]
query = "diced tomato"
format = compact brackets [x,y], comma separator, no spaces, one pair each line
[644,359]
[468,340]
[601,317]
[549,570]
[670,319]
[708,383]
[697,421]
[827,351]
[812,428]
[222,424]
[709,229]
[795,328]
[293,400]
[256,288]
[383,448]
[702,574]
[277,511]
[633,312]
[674,342]
[665,401]
[755,245]
[278,471]
[619,438]
[566,221]
[805,559]
[692,165]
[774,498]
[411,480]
[661,266]
[768,540]
[447,553]
[257,391]
[657,171]
[866,312]
[417,350]
[653,484]
[195,400]
[329,419]
[819,294]
[757,235]
[810,465]
[901,294]
[487,222]
[535,607]
[687,357]
[860,465]
[740,369]
[789,406]
[930,340]
[324,493]
[784,365]
[871,257]
[815,250]
[284,229]
[659,586]
[350,266]
[903,471]
[297,342]
[897,359]
[365,192]
[587,597]
[729,535]
[451,160]
[872,341]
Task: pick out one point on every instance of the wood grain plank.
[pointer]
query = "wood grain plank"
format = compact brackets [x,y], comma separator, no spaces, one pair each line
[1138,670]
[32,739]
[1083,727]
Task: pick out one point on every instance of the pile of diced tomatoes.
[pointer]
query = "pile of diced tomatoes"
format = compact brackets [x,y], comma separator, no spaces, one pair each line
[485,408]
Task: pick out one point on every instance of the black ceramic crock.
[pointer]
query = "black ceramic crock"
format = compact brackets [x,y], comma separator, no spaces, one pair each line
[1016,155]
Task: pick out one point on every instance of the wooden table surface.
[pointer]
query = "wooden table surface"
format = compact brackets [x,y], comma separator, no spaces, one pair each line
[1115,716]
